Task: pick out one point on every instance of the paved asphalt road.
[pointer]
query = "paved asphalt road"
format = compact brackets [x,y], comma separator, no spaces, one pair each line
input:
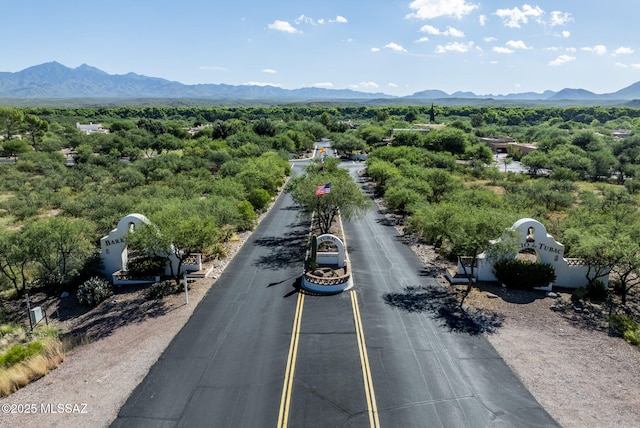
[390,352]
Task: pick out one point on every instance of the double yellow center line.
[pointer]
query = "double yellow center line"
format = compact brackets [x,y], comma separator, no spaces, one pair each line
[285,401]
[372,407]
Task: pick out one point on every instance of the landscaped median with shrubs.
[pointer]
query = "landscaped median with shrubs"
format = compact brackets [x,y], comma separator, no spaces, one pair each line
[26,356]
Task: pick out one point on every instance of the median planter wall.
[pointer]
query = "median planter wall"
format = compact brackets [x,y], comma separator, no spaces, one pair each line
[332,274]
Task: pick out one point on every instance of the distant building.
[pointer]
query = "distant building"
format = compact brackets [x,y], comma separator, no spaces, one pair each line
[500,144]
[423,128]
[620,133]
[91,128]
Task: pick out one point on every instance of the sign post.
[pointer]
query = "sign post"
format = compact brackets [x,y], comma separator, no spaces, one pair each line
[186,290]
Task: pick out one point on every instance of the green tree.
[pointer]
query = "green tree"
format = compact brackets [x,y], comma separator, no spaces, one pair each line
[345,196]
[477,120]
[14,260]
[59,246]
[10,120]
[36,127]
[178,231]
[264,127]
[463,231]
[450,140]
[12,148]
[347,144]
[535,161]
[627,267]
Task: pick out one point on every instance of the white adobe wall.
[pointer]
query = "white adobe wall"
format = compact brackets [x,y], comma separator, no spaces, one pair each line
[533,234]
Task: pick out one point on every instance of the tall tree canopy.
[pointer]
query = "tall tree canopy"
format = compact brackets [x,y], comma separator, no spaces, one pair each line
[344,197]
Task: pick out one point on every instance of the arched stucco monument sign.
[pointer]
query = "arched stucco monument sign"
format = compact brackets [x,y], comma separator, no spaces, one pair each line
[330,257]
[113,247]
[533,236]
[332,275]
[114,253]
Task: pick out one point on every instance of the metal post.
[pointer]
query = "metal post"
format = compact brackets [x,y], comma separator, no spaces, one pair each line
[186,290]
[29,311]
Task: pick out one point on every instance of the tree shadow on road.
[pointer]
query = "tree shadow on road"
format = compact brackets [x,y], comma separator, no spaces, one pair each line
[445,307]
[283,249]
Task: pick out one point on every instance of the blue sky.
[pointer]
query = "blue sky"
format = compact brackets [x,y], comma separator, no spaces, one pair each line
[395,47]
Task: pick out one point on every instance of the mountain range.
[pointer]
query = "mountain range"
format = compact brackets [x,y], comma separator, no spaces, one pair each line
[53,80]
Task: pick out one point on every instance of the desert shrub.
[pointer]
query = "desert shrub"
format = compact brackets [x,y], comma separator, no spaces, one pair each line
[579,293]
[259,199]
[19,353]
[93,291]
[596,291]
[523,274]
[632,186]
[163,288]
[625,327]
[145,266]
[219,250]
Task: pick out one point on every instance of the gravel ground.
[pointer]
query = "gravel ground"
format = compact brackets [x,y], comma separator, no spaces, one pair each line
[581,375]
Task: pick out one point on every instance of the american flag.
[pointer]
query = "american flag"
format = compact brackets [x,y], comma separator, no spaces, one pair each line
[323,189]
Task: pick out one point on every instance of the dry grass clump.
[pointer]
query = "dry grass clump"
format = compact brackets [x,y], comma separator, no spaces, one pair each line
[34,367]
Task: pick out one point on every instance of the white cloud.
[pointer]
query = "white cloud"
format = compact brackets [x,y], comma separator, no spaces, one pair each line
[636,66]
[429,29]
[560,18]
[429,9]
[395,47]
[269,71]
[622,50]
[283,26]
[453,32]
[392,85]
[454,47]
[490,39]
[514,17]
[375,49]
[365,85]
[304,20]
[422,40]
[553,48]
[621,65]
[562,59]
[450,31]
[517,44]
[597,49]
[482,19]
[323,85]
[572,50]
[566,34]
[262,84]
[501,50]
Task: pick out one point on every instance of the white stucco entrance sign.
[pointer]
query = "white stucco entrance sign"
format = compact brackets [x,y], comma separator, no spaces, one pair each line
[114,253]
[113,247]
[330,257]
[534,238]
